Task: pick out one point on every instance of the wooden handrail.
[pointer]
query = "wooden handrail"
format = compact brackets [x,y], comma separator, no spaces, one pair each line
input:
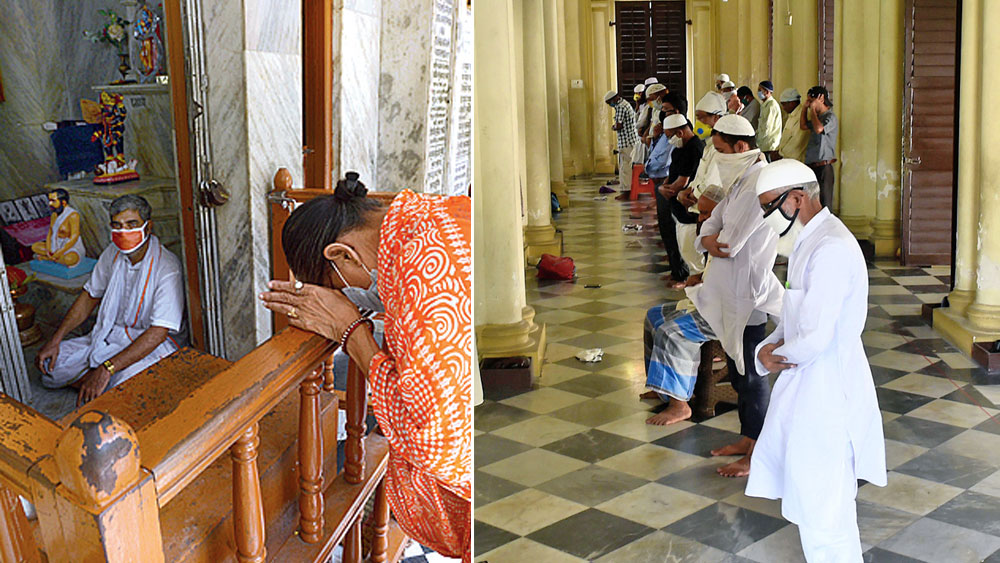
[179,445]
[26,436]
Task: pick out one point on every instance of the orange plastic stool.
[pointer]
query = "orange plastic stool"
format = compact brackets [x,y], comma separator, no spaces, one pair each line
[639,186]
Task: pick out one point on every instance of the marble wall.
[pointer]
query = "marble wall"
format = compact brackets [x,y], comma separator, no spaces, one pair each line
[356,90]
[47,66]
[253,57]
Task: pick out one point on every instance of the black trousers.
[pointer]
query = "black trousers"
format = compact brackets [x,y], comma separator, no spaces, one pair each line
[668,232]
[824,175]
[753,391]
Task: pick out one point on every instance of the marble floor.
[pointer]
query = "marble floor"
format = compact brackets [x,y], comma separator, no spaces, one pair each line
[570,472]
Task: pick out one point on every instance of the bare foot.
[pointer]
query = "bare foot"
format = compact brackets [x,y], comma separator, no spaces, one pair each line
[649,395]
[676,411]
[741,447]
[738,468]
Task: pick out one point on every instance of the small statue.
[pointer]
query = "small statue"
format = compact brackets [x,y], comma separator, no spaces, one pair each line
[112,135]
[63,243]
[147,56]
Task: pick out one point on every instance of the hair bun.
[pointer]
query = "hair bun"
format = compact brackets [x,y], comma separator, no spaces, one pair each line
[350,187]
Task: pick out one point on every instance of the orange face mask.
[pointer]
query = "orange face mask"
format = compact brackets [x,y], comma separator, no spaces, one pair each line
[128,240]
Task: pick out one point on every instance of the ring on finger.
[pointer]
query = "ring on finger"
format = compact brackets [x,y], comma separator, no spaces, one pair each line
[298,286]
[292,313]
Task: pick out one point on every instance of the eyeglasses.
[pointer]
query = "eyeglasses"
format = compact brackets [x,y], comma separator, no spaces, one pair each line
[771,206]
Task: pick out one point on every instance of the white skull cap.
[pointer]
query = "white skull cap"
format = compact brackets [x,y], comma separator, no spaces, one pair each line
[734,125]
[711,103]
[783,173]
[674,121]
[789,95]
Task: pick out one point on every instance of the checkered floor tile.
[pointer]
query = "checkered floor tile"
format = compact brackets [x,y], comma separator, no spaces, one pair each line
[570,471]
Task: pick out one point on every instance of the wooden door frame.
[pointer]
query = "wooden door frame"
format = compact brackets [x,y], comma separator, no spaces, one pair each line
[177,72]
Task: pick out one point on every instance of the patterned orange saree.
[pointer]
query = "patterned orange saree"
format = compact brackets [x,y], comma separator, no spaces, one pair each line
[421,386]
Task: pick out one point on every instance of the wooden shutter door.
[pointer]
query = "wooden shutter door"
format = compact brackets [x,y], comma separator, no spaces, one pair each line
[929,131]
[826,23]
[634,49]
[670,45]
[652,41]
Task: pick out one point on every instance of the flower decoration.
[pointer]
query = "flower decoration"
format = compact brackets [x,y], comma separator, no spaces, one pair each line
[16,277]
[112,32]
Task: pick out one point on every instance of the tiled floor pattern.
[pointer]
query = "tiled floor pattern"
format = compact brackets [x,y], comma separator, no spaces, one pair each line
[570,471]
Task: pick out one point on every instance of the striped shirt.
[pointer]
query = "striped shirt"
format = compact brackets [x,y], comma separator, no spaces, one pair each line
[625,115]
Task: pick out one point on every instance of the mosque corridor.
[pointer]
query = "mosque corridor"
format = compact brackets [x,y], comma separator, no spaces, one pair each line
[569,471]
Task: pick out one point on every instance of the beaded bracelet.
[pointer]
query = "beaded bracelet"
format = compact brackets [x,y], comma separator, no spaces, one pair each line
[350,330]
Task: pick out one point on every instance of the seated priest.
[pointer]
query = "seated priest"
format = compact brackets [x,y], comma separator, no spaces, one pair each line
[138,289]
[63,243]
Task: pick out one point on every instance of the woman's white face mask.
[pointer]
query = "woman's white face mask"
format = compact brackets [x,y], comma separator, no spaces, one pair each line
[363,298]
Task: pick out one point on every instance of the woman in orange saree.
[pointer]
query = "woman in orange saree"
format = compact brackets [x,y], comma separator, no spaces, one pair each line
[418,252]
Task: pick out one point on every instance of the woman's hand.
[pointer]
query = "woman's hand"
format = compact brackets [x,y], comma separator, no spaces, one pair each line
[314,308]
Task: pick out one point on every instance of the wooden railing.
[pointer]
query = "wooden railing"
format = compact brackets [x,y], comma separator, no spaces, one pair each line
[98,499]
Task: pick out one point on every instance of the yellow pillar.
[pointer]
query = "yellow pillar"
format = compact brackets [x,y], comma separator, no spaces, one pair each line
[605,140]
[521,155]
[580,125]
[504,323]
[984,313]
[539,234]
[858,146]
[554,87]
[569,165]
[805,35]
[702,49]
[885,226]
[969,111]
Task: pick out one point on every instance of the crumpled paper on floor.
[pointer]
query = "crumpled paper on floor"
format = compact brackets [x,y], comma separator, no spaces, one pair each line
[592,355]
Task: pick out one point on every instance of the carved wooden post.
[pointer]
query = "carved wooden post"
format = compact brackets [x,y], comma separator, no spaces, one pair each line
[105,502]
[352,543]
[380,537]
[248,506]
[16,543]
[310,459]
[354,449]
[328,375]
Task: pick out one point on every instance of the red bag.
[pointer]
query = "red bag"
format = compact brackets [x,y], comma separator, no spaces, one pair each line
[555,267]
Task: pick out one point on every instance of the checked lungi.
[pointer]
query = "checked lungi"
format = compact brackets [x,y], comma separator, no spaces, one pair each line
[673,340]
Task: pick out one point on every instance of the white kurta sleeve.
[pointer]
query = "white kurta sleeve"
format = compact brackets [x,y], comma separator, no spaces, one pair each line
[168,302]
[712,225]
[826,288]
[101,274]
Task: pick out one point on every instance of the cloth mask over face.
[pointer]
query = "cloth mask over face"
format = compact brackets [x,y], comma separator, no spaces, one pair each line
[787,228]
[128,240]
[364,299]
[676,141]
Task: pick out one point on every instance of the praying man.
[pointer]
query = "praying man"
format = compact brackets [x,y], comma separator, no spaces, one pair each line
[823,428]
[138,290]
[738,291]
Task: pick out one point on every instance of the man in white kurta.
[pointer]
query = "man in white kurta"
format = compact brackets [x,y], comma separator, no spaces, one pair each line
[823,429]
[138,288]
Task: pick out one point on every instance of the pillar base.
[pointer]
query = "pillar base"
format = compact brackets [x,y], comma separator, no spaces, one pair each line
[523,338]
[885,237]
[984,317]
[960,299]
[562,192]
[959,331]
[860,225]
[541,240]
[604,166]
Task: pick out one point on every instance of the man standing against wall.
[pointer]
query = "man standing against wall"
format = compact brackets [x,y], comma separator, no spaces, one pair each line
[793,139]
[818,117]
[769,123]
[627,138]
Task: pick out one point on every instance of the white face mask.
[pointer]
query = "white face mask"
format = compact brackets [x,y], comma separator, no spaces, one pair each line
[364,299]
[787,228]
[676,141]
[657,104]
[761,96]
